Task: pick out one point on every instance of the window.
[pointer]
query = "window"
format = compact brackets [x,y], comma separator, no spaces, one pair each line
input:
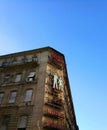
[14,61]
[34,58]
[5,123]
[24,59]
[18,78]
[28,95]
[1,97]
[12,98]
[5,63]
[31,76]
[22,124]
[7,78]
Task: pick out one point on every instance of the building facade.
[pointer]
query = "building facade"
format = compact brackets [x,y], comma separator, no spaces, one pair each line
[35,92]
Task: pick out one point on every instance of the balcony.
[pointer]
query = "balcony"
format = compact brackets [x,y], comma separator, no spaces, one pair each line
[19,63]
[54,114]
[54,103]
[53,125]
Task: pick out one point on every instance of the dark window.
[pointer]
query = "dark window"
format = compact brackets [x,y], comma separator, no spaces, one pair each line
[6,78]
[1,97]
[34,58]
[5,64]
[14,61]
[24,59]
[5,123]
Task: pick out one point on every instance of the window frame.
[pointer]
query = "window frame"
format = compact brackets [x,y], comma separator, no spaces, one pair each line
[18,79]
[31,76]
[27,96]
[12,98]
[22,125]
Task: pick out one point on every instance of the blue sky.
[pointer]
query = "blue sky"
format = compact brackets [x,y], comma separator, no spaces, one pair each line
[77,28]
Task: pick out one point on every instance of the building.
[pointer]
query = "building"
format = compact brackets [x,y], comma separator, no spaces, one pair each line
[35,91]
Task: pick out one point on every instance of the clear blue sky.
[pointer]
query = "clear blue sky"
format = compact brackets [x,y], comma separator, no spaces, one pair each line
[77,28]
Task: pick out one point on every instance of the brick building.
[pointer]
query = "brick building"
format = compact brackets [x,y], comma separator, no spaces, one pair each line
[35,91]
